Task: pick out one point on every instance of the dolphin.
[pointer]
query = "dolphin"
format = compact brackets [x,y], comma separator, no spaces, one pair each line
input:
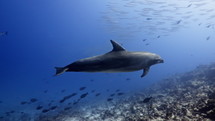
[117,60]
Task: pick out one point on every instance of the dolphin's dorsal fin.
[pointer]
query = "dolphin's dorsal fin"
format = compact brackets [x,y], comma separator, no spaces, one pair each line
[116,46]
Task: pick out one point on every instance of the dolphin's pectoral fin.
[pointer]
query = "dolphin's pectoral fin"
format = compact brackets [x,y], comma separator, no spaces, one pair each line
[145,71]
[116,46]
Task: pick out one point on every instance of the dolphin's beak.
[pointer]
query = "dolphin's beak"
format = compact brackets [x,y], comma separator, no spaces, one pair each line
[161,61]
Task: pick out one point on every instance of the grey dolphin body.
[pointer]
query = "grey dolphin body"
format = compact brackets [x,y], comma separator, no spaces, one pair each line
[117,60]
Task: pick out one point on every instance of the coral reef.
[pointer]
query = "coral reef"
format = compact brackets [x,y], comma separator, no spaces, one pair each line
[181,97]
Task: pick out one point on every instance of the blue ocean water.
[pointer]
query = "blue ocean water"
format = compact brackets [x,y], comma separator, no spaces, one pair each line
[45,34]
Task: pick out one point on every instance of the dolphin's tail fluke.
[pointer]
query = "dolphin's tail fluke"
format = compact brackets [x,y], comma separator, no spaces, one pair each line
[60,70]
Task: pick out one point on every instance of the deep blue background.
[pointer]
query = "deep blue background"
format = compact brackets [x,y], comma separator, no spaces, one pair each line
[44,34]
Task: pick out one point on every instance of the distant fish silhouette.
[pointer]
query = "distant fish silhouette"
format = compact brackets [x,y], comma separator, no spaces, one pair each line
[67,108]
[3,33]
[67,97]
[82,88]
[12,111]
[144,40]
[112,95]
[189,5]
[148,18]
[53,108]
[75,103]
[45,91]
[45,110]
[178,22]
[62,91]
[109,99]
[97,94]
[39,107]
[147,44]
[208,38]
[23,102]
[33,100]
[120,93]
[128,79]
[84,95]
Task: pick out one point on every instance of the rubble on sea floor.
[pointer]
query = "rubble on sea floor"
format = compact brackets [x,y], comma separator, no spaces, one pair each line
[188,96]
